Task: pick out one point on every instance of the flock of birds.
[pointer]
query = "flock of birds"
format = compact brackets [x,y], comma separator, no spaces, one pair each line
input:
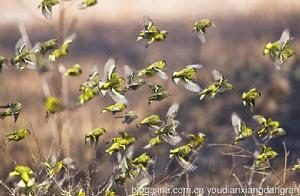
[162,129]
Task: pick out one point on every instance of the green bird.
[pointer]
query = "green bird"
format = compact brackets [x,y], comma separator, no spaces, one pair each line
[74,71]
[220,85]
[296,167]
[241,130]
[186,76]
[112,82]
[11,109]
[142,161]
[86,96]
[25,176]
[93,136]
[63,50]
[48,45]
[268,128]
[155,141]
[120,143]
[54,167]
[262,159]
[201,26]
[134,81]
[151,32]
[156,68]
[197,139]
[46,6]
[115,108]
[52,105]
[158,93]
[181,153]
[87,3]
[3,61]
[17,135]
[279,51]
[167,131]
[23,56]
[250,97]
[151,121]
[128,117]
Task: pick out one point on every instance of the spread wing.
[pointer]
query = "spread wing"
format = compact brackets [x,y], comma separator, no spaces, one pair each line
[217,75]
[236,123]
[190,85]
[109,68]
[173,109]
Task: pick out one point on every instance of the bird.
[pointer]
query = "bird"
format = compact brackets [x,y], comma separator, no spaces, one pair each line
[201,26]
[87,3]
[46,6]
[17,135]
[186,77]
[11,109]
[249,97]
[92,136]
[262,159]
[182,153]
[63,49]
[120,143]
[155,68]
[158,93]
[52,105]
[115,108]
[151,32]
[220,85]
[241,130]
[48,45]
[25,176]
[280,50]
[197,139]
[74,71]
[128,117]
[151,121]
[268,128]
[134,81]
[112,82]
[3,61]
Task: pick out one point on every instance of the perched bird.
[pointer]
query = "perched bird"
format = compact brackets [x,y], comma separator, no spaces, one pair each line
[120,143]
[87,3]
[11,109]
[141,161]
[151,32]
[134,81]
[24,175]
[93,136]
[158,93]
[128,117]
[240,129]
[182,153]
[46,6]
[112,82]
[220,85]
[279,51]
[268,128]
[54,167]
[63,50]
[74,71]
[186,77]
[154,68]
[250,97]
[201,26]
[3,61]
[17,135]
[151,121]
[262,159]
[115,108]
[52,105]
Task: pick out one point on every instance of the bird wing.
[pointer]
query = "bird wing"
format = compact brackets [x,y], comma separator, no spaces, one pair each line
[217,75]
[285,37]
[236,123]
[196,66]
[118,97]
[190,85]
[109,68]
[172,111]
[128,71]
[162,75]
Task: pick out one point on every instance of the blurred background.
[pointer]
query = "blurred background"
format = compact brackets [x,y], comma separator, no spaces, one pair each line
[234,48]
